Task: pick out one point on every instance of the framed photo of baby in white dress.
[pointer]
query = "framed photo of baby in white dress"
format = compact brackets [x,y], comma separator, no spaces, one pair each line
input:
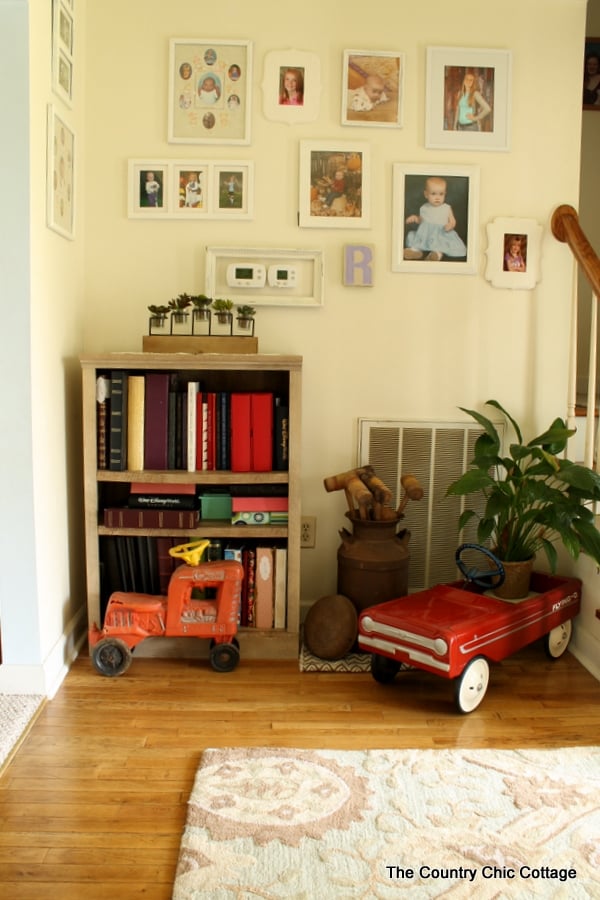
[209,91]
[372,88]
[435,218]
[468,99]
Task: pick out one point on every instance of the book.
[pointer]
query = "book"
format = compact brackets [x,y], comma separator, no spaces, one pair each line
[102,420]
[281,436]
[241,451]
[145,487]
[162,501]
[123,517]
[262,432]
[135,422]
[259,504]
[156,400]
[280,588]
[193,389]
[211,418]
[165,562]
[248,586]
[263,599]
[118,421]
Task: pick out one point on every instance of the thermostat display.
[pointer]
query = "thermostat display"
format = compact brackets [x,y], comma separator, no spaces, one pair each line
[282,276]
[248,275]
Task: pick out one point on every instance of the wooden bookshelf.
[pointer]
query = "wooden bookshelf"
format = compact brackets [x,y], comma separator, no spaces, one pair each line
[280,375]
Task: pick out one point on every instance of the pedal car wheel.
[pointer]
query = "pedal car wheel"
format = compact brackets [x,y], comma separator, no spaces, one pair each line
[557,640]
[472,684]
[224,657]
[384,669]
[111,656]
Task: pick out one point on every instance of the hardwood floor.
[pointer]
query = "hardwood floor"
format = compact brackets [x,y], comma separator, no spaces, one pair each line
[93,803]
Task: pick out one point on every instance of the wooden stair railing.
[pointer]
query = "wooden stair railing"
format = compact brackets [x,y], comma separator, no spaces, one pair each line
[566,228]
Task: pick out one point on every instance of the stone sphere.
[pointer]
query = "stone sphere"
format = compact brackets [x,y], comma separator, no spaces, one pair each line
[331,627]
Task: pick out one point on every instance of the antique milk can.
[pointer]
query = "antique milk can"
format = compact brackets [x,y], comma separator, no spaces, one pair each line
[372,561]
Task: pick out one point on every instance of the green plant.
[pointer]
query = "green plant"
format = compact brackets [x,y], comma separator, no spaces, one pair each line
[200,301]
[245,312]
[180,303]
[222,306]
[533,498]
[160,311]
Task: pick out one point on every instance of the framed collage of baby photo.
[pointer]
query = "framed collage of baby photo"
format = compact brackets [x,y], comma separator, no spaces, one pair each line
[435,218]
[190,189]
[291,86]
[513,253]
[372,88]
[334,184]
[468,99]
[209,91]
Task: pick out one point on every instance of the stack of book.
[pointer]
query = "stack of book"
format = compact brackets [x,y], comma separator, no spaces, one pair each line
[259,510]
[156,506]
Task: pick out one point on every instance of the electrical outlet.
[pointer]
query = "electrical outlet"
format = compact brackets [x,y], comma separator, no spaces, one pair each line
[308,531]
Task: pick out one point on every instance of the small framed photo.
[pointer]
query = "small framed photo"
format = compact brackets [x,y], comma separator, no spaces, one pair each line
[60,175]
[435,218]
[513,253]
[335,181]
[62,50]
[149,189]
[468,99]
[209,92]
[233,190]
[291,86]
[372,88]
[190,189]
[591,74]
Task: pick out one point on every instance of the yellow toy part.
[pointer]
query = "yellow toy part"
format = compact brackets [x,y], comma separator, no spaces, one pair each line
[190,553]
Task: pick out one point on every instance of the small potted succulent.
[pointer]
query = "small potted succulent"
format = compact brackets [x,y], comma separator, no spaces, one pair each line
[158,316]
[201,304]
[223,310]
[245,316]
[178,307]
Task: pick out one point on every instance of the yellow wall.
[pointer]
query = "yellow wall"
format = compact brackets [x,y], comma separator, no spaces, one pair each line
[414,346]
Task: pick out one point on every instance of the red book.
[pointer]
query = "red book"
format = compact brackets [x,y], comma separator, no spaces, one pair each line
[123,517]
[156,420]
[262,432]
[211,419]
[263,588]
[241,451]
[259,504]
[147,487]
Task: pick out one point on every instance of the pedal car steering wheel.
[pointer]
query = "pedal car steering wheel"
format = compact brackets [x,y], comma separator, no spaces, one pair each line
[191,553]
[484,578]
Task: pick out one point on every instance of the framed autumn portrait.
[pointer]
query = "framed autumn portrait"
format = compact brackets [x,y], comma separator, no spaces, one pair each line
[334,185]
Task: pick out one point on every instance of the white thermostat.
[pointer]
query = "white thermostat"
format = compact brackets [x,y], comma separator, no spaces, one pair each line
[282,276]
[246,275]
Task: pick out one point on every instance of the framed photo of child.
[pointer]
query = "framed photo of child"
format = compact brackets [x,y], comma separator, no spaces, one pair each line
[190,189]
[468,99]
[209,92]
[149,191]
[591,74]
[291,86]
[335,184]
[372,88]
[233,190]
[513,253]
[435,218]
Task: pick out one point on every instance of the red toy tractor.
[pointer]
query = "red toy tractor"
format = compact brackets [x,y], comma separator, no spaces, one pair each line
[203,601]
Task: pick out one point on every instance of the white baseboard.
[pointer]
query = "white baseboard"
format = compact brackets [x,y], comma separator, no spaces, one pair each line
[46,678]
[586,649]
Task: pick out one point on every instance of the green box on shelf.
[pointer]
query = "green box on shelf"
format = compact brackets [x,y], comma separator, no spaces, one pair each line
[215,506]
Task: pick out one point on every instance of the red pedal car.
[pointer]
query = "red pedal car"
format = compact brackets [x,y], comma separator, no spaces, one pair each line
[456,630]
[203,601]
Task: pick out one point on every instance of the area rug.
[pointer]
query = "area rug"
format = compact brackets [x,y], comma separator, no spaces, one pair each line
[352,662]
[302,824]
[16,712]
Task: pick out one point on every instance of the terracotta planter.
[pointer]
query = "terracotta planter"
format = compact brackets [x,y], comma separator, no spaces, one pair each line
[517,580]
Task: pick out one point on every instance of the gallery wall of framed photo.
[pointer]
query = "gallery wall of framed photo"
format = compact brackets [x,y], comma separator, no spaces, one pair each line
[435,207]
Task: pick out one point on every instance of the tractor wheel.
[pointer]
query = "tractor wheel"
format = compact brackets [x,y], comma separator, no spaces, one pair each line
[384,669]
[224,657]
[557,640]
[111,656]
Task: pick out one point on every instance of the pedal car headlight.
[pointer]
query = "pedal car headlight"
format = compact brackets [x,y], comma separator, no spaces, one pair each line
[440,646]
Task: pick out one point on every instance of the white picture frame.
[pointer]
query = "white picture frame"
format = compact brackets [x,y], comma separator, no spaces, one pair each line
[62,50]
[190,189]
[373,88]
[486,74]
[60,175]
[304,287]
[326,201]
[304,70]
[514,253]
[421,242]
[210,94]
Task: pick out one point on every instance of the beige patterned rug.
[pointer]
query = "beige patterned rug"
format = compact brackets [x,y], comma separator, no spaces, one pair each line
[304,824]
[16,713]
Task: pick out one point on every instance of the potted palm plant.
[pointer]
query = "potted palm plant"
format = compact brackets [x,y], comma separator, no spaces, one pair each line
[532,498]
